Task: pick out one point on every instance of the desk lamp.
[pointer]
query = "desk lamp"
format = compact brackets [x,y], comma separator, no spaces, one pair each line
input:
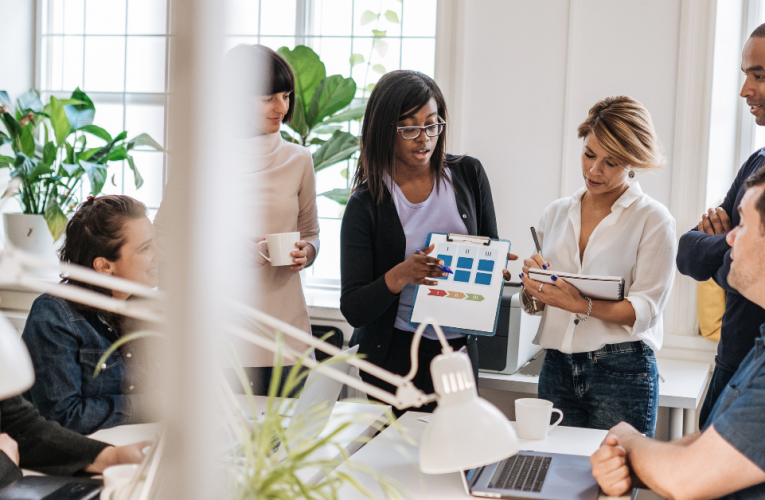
[464,432]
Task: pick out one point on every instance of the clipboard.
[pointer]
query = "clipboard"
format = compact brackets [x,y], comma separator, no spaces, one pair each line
[467,301]
[595,287]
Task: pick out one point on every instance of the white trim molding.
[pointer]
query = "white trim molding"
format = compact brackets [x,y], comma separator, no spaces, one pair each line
[691,145]
[451,18]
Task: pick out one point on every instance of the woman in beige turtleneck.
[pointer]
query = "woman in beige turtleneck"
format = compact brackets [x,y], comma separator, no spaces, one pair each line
[279,180]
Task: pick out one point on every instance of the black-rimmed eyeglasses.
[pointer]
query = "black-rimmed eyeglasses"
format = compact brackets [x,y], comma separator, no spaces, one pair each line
[412,132]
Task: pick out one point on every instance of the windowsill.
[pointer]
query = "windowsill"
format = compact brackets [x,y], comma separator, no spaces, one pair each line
[323,303]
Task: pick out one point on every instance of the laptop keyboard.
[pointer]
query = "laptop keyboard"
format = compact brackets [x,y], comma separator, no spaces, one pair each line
[521,473]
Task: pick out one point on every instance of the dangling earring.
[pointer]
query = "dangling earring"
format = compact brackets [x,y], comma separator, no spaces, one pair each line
[631,174]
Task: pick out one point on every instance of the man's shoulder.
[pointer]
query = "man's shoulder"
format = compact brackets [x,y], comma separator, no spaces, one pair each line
[753,163]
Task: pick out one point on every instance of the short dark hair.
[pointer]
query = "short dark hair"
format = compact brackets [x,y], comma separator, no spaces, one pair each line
[257,70]
[396,93]
[759,32]
[758,179]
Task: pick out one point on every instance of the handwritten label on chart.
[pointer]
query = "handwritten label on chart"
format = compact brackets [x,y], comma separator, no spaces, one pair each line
[455,295]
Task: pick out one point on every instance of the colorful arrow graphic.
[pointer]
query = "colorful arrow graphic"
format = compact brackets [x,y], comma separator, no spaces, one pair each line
[454,295]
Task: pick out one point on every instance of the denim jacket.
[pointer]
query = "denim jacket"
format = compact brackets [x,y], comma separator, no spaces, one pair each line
[65,346]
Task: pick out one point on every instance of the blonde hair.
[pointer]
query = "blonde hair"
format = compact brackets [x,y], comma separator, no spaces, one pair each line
[624,129]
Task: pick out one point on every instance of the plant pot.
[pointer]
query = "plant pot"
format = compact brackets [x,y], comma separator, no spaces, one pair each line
[29,232]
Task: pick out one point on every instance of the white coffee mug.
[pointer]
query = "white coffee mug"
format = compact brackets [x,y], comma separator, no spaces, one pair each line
[280,245]
[532,417]
[117,476]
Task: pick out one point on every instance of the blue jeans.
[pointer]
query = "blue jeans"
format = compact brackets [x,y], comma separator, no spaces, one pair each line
[599,389]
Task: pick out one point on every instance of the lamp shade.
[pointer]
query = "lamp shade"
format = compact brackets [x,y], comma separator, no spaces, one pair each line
[465,431]
[16,371]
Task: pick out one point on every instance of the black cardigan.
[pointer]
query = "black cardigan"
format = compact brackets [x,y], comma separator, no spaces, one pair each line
[44,445]
[372,242]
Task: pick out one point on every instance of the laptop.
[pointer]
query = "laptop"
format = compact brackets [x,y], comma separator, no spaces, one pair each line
[529,474]
[52,488]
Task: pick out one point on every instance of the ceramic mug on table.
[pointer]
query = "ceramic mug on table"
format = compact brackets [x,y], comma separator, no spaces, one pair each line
[280,245]
[532,418]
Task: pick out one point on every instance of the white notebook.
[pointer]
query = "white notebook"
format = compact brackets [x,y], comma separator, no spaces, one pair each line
[595,287]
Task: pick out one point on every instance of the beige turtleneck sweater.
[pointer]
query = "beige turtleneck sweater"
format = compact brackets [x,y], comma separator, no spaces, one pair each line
[280,179]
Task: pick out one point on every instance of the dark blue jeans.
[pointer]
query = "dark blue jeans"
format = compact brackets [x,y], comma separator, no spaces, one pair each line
[599,389]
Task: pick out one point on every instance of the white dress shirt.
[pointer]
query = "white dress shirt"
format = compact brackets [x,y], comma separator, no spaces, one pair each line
[635,241]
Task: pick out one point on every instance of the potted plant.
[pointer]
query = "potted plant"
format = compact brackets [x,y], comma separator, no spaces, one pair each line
[323,104]
[51,156]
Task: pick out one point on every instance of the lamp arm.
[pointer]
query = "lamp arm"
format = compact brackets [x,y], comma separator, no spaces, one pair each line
[80,273]
[306,338]
[406,396]
[445,347]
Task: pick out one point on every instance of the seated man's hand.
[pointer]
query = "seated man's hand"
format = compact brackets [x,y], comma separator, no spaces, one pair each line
[116,455]
[715,221]
[610,469]
[9,447]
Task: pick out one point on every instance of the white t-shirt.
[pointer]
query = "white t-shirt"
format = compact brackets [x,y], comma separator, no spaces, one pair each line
[635,241]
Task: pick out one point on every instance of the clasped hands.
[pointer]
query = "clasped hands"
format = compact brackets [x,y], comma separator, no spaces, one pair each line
[610,466]
[112,455]
[560,293]
[715,222]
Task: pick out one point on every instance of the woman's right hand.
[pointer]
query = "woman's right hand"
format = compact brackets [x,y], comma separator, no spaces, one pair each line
[535,261]
[415,270]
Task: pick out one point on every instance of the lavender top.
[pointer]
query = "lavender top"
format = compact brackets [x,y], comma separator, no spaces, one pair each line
[437,214]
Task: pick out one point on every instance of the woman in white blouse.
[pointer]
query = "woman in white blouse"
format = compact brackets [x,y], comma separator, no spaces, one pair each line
[600,367]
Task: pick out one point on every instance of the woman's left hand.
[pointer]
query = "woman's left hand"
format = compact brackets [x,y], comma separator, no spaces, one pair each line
[303,256]
[560,294]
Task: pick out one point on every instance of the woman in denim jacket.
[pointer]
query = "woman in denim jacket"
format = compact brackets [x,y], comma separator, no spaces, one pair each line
[113,236]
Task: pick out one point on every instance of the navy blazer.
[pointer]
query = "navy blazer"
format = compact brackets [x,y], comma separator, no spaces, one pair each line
[372,242]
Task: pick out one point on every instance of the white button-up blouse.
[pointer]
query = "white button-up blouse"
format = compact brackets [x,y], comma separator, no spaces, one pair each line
[635,241]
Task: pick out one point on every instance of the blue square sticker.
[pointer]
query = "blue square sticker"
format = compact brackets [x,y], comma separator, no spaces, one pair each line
[463,276]
[447,259]
[465,263]
[482,279]
[486,265]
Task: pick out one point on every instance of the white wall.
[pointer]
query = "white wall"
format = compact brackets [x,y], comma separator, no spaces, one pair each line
[17,37]
[527,73]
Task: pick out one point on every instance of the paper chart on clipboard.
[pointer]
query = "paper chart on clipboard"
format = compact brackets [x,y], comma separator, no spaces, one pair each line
[467,301]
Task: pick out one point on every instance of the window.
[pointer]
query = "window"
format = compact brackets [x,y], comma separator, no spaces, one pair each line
[733,134]
[341,32]
[115,51]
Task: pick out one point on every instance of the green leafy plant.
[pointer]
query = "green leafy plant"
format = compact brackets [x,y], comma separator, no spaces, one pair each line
[379,46]
[322,105]
[51,153]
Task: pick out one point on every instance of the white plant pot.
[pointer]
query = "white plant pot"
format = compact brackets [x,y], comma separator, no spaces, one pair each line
[30,233]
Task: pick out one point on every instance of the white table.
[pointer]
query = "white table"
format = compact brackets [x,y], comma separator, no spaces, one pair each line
[367,419]
[681,391]
[389,454]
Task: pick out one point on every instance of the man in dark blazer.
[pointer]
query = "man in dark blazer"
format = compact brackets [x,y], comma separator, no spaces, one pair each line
[27,440]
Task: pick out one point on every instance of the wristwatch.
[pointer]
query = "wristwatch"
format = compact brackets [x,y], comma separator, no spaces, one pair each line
[528,304]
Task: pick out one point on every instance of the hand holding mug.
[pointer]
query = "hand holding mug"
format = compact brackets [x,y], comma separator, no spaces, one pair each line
[303,256]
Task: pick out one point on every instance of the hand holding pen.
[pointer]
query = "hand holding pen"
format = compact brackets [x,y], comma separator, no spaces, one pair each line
[419,269]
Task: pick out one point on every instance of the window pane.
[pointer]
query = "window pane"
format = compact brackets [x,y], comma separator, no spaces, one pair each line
[72,62]
[74,17]
[149,164]
[333,17]
[105,17]
[275,42]
[109,116]
[145,119]
[242,17]
[419,54]
[53,20]
[114,178]
[105,64]
[147,17]
[335,53]
[327,264]
[145,64]
[52,63]
[419,18]
[278,18]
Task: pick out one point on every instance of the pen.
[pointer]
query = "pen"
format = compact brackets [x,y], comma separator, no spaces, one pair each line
[443,268]
[536,240]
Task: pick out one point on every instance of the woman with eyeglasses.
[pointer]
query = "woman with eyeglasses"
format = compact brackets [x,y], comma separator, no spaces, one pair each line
[405,187]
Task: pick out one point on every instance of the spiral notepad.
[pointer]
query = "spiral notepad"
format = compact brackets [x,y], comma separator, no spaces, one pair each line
[595,287]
